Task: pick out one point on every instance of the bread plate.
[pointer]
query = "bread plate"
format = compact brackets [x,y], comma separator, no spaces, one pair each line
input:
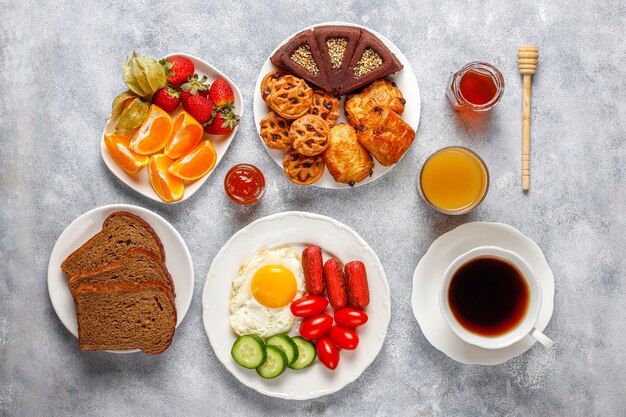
[405,79]
[296,229]
[177,260]
[140,181]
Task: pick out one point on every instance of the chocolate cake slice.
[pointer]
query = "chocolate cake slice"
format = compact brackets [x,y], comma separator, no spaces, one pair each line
[371,60]
[336,45]
[301,56]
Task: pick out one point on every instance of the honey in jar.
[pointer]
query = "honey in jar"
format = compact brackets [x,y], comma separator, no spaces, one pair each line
[476,87]
[454,180]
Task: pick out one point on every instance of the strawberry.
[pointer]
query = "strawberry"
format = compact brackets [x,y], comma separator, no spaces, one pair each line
[201,108]
[193,86]
[223,122]
[178,69]
[166,98]
[221,94]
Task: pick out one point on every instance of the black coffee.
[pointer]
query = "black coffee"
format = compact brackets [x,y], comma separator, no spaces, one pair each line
[488,296]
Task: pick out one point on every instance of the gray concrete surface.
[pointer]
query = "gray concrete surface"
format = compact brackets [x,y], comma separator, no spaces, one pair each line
[60,69]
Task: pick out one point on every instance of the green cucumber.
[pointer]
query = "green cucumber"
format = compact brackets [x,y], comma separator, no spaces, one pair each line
[306,353]
[274,364]
[249,351]
[284,343]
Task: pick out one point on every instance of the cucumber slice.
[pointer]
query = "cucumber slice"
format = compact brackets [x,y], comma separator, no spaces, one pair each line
[306,353]
[274,364]
[284,343]
[249,351]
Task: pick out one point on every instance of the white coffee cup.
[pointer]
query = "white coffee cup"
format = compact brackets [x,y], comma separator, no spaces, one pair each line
[526,326]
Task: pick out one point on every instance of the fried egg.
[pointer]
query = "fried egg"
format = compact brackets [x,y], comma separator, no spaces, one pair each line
[263,290]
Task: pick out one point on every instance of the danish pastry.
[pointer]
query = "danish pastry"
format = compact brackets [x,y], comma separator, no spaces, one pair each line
[290,97]
[275,132]
[326,106]
[385,135]
[309,135]
[301,169]
[382,93]
[268,82]
[347,160]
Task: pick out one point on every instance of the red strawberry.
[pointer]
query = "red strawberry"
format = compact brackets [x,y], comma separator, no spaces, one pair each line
[201,108]
[166,98]
[193,86]
[178,69]
[223,122]
[221,94]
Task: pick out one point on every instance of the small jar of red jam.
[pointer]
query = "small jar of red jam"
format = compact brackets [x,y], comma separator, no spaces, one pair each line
[244,184]
[476,87]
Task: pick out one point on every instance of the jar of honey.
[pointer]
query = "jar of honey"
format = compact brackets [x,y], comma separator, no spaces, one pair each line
[453,180]
[244,184]
[476,87]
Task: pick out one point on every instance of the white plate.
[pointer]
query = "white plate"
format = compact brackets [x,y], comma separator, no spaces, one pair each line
[429,276]
[296,229]
[177,260]
[407,83]
[140,181]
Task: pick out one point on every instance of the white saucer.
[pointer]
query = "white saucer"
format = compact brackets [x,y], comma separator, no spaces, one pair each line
[296,229]
[430,272]
[405,79]
[177,260]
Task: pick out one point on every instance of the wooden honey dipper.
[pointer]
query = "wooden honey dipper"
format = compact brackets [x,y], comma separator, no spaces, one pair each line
[527,57]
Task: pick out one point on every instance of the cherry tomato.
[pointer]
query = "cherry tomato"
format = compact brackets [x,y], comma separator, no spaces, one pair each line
[350,317]
[315,327]
[327,352]
[344,338]
[309,306]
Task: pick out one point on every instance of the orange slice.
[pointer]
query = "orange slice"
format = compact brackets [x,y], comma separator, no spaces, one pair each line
[153,133]
[186,134]
[167,186]
[119,148]
[196,164]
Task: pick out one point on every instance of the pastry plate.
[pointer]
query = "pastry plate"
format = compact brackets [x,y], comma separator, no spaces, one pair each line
[177,260]
[140,181]
[407,83]
[429,276]
[296,229]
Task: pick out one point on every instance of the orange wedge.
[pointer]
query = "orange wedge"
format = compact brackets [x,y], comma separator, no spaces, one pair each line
[196,164]
[119,148]
[167,186]
[186,134]
[153,133]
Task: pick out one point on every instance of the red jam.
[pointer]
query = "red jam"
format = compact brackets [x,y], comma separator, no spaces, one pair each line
[244,184]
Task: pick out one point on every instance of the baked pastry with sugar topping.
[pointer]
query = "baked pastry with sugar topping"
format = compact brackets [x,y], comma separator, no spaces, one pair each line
[290,97]
[309,135]
[301,169]
[275,132]
[326,106]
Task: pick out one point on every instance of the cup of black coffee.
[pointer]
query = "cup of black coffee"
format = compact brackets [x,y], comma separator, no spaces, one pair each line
[491,298]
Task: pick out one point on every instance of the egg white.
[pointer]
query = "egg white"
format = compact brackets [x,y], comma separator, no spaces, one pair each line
[247,315]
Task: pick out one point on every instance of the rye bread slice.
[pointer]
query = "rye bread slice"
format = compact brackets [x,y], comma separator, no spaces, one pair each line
[125,316]
[121,232]
[136,267]
[390,63]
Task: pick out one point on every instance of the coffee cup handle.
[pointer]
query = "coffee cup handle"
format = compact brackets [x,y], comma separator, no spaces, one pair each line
[541,338]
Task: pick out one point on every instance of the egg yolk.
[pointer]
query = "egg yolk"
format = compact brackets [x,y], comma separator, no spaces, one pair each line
[274,286]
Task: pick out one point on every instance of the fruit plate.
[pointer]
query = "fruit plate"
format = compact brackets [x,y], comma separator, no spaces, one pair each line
[140,181]
[177,260]
[405,79]
[296,229]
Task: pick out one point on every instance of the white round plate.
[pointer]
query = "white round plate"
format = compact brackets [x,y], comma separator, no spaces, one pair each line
[429,276]
[296,229]
[140,181]
[407,83]
[177,260]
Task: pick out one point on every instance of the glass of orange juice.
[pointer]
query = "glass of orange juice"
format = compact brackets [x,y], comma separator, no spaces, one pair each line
[453,180]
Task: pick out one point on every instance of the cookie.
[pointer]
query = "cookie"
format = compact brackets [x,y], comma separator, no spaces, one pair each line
[302,169]
[290,97]
[326,106]
[268,82]
[309,135]
[275,132]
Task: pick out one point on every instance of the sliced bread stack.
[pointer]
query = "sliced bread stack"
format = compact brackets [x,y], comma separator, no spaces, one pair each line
[123,293]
